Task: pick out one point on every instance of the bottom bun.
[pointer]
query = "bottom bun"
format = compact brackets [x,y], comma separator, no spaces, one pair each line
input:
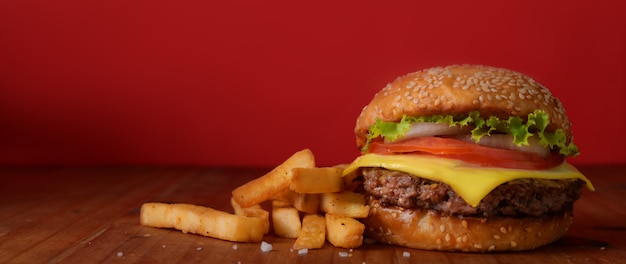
[430,230]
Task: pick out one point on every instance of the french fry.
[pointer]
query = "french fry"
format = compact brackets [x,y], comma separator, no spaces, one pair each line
[313,233]
[349,180]
[286,220]
[286,195]
[272,183]
[316,180]
[345,232]
[307,202]
[304,202]
[345,203]
[295,187]
[253,211]
[203,221]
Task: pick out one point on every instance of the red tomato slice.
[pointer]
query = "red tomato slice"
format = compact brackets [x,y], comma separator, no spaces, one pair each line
[468,152]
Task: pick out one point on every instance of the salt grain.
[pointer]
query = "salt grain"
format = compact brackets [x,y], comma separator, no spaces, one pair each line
[120,254]
[199,248]
[343,254]
[303,251]
[235,247]
[266,247]
[406,254]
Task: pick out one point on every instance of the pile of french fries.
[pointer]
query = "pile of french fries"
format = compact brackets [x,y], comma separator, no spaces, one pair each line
[309,204]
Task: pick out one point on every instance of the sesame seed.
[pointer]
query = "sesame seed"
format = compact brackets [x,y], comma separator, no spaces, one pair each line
[503,230]
[447,237]
[464,224]
[513,244]
[492,248]
[496,237]
[442,228]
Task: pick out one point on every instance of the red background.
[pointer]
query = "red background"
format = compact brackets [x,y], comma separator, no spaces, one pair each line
[250,82]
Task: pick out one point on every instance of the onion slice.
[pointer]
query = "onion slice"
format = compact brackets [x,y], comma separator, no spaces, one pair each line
[425,129]
[505,141]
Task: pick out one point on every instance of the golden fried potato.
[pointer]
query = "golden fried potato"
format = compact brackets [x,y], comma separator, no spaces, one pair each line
[203,221]
[285,220]
[317,180]
[342,231]
[345,203]
[307,202]
[274,182]
[313,233]
[252,211]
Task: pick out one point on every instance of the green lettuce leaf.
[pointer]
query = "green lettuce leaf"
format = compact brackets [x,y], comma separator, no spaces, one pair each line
[521,129]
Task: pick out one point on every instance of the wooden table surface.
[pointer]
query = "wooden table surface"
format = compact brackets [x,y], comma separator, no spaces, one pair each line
[87,215]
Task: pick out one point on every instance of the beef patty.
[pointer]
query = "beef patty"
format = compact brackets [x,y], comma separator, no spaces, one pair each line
[518,198]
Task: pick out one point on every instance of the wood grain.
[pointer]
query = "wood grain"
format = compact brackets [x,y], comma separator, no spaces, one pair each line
[86,215]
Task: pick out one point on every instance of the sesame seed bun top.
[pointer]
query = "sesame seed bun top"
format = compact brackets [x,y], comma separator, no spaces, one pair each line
[458,90]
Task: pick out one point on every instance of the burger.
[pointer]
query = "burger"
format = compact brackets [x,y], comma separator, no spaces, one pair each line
[466,158]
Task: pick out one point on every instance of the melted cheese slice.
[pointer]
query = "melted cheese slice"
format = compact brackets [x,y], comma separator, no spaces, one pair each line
[470,182]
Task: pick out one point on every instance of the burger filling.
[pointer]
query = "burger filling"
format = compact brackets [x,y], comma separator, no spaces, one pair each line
[528,134]
[518,198]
